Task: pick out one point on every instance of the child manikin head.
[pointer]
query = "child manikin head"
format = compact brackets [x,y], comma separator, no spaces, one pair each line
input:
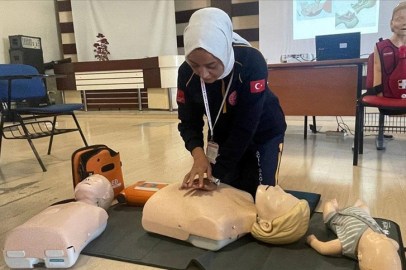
[95,190]
[282,218]
[378,252]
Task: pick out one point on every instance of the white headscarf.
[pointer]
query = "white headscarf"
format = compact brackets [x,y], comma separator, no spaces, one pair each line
[211,29]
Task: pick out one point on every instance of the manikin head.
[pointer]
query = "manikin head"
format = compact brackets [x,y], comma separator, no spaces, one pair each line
[378,252]
[282,218]
[95,190]
[398,21]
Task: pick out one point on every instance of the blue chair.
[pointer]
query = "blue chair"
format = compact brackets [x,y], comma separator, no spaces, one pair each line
[18,85]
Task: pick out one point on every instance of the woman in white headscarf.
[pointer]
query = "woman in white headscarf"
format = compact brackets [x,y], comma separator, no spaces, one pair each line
[225,79]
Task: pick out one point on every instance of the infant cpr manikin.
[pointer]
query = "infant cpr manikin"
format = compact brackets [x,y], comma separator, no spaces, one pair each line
[209,220]
[55,237]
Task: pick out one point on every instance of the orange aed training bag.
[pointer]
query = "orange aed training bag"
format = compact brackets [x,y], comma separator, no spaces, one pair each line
[139,193]
[98,159]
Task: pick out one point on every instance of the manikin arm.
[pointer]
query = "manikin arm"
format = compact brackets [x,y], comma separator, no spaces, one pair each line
[377,68]
[332,247]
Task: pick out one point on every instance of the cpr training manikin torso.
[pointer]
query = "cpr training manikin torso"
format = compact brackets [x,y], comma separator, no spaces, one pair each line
[56,236]
[213,219]
[209,220]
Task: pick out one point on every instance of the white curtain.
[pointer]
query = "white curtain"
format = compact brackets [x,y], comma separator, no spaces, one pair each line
[134,28]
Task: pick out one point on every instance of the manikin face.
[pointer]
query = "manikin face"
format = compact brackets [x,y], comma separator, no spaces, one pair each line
[379,253]
[205,65]
[272,202]
[95,190]
[398,22]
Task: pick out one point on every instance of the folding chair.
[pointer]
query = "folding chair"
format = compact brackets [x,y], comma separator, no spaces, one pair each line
[23,83]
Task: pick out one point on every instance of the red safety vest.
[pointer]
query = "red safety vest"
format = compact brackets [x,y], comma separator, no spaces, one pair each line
[393,65]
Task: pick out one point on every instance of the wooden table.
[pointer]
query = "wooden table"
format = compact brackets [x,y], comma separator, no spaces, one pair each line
[320,88]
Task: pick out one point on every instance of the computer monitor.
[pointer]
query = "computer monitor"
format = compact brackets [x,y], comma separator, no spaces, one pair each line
[338,46]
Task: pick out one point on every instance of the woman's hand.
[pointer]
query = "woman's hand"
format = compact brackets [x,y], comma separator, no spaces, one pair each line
[200,166]
[207,185]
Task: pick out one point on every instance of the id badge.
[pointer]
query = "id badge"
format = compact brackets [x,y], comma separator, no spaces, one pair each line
[212,151]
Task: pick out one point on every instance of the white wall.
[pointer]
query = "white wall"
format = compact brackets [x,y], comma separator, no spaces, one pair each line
[31,18]
[276,33]
[37,18]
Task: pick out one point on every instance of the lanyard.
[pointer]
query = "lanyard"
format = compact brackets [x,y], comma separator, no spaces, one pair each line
[206,104]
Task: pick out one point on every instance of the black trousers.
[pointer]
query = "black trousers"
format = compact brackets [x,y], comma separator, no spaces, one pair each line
[257,167]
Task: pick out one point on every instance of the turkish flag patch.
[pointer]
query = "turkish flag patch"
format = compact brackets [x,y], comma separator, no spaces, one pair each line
[257,86]
[180,97]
